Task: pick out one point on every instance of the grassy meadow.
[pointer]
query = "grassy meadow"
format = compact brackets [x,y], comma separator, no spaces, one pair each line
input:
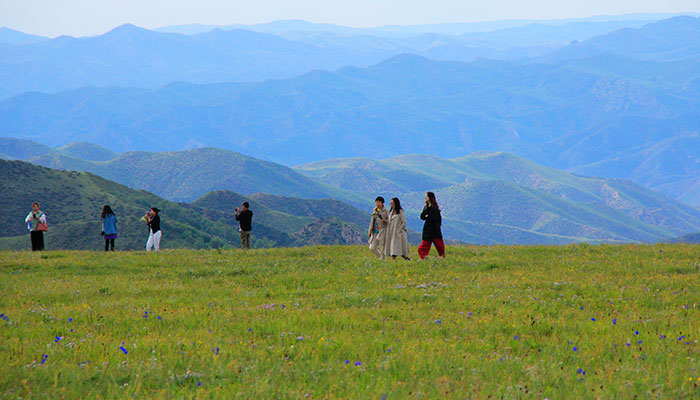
[576,321]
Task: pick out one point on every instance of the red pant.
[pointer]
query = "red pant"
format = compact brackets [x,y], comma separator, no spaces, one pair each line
[424,247]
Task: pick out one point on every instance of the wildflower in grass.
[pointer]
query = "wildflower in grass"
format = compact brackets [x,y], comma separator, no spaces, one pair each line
[575,348]
[70,319]
[347,361]
[614,321]
[639,342]
[58,339]
[357,363]
[438,321]
[122,348]
[681,338]
[159,317]
[662,336]
[44,357]
[636,332]
[283,306]
[581,308]
[515,337]
[215,351]
[593,319]
[199,383]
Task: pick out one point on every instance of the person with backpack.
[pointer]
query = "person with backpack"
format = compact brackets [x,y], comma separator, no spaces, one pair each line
[109,227]
[36,223]
[153,220]
[432,233]
[245,224]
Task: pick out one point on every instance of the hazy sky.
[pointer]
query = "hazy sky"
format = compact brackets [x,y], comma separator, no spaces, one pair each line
[87,17]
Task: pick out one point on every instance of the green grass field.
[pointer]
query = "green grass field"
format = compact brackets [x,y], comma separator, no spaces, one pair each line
[331,322]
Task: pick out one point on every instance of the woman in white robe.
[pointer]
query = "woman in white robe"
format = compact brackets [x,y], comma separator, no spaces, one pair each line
[397,233]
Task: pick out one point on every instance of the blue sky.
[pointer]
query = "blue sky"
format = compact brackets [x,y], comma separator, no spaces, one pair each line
[87,17]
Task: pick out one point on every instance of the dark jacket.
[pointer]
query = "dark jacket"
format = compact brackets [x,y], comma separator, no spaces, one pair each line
[154,223]
[245,219]
[433,221]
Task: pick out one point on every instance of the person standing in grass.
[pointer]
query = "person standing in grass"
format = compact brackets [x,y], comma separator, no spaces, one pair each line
[153,220]
[377,228]
[36,223]
[109,227]
[397,234]
[432,233]
[245,224]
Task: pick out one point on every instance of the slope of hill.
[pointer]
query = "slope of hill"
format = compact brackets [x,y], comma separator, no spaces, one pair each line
[553,206]
[11,36]
[669,39]
[87,151]
[187,175]
[288,221]
[22,149]
[73,202]
[499,197]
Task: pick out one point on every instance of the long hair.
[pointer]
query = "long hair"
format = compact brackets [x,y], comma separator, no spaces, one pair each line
[107,210]
[431,200]
[397,205]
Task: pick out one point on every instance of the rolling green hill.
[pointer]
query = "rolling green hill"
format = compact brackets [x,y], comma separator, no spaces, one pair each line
[501,198]
[486,197]
[289,221]
[73,201]
[189,174]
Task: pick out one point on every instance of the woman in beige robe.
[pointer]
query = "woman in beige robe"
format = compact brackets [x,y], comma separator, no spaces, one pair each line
[397,233]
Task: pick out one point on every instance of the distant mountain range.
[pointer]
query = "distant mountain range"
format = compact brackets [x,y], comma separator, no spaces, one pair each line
[485,197]
[136,57]
[609,114]
[290,27]
[73,201]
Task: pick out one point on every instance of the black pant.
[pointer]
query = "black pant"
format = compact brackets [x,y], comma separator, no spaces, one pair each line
[107,243]
[37,240]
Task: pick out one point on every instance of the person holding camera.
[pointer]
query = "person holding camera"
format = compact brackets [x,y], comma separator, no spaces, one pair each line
[153,220]
[36,223]
[245,219]
[109,227]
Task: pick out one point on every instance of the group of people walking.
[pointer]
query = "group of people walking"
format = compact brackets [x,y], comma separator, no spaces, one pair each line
[388,234]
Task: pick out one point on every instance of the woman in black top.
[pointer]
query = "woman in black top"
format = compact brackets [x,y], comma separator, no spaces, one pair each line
[432,234]
[153,220]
